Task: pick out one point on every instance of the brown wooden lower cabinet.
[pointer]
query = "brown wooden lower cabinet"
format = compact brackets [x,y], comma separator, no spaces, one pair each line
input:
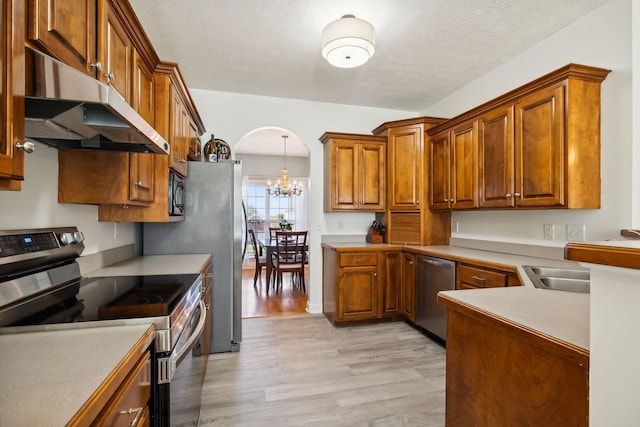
[361,286]
[501,375]
[131,400]
[368,286]
[473,277]
[408,286]
[390,285]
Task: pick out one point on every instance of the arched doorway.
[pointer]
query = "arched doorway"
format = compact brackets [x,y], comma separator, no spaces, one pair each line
[262,152]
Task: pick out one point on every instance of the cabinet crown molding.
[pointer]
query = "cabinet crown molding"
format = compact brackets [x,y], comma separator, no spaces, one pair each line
[351,136]
[569,71]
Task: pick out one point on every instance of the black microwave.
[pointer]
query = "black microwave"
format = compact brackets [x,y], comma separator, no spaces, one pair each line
[176,194]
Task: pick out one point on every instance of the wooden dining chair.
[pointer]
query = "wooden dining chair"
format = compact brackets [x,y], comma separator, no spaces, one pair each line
[290,257]
[272,233]
[261,260]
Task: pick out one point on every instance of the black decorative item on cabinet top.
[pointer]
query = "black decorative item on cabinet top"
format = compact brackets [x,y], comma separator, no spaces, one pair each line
[216,149]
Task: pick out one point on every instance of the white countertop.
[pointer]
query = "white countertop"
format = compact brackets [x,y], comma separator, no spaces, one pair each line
[154,264]
[557,314]
[46,377]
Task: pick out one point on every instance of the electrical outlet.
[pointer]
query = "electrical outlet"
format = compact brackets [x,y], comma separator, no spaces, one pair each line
[548,231]
[116,235]
[454,226]
[340,225]
[575,232]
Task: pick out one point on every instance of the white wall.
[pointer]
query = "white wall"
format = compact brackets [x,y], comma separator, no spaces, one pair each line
[260,166]
[231,116]
[36,206]
[602,38]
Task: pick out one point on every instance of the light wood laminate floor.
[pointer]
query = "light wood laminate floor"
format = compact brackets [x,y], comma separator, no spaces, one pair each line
[300,370]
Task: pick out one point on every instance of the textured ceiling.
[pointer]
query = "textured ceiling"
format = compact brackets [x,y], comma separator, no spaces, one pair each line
[425,49]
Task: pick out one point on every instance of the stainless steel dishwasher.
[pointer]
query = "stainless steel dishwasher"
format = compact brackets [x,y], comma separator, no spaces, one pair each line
[434,275]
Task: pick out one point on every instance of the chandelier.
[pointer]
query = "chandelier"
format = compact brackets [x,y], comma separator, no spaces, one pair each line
[282,187]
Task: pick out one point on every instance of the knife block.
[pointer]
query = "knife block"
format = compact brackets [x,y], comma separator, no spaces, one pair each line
[374,236]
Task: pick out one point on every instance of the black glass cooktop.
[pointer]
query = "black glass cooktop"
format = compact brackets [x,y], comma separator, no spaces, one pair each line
[103,298]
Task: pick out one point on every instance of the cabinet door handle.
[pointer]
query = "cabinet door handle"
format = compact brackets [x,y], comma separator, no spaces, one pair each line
[375,274]
[139,184]
[137,411]
[182,161]
[446,200]
[508,195]
[26,146]
[516,194]
[109,77]
[96,66]
[479,279]
[417,202]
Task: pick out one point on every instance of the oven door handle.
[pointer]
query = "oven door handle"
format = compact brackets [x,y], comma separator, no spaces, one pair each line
[180,354]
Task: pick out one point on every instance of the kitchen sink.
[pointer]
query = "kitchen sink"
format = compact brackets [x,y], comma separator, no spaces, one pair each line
[559,279]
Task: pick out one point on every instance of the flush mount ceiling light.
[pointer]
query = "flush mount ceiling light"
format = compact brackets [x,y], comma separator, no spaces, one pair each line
[348,42]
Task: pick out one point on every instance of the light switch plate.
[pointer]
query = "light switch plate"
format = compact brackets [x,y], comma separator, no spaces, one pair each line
[548,231]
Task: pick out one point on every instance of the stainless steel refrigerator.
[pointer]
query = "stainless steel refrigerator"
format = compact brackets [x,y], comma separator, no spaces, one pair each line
[214,223]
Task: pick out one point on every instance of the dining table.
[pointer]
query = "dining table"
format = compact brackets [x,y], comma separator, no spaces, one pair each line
[269,247]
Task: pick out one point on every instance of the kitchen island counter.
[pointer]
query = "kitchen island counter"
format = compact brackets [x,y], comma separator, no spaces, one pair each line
[557,316]
[49,377]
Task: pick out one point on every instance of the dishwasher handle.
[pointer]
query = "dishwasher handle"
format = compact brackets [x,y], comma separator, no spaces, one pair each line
[437,263]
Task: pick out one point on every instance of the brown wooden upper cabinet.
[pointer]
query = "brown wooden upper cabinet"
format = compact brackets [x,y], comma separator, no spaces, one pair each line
[105,177]
[175,114]
[408,219]
[405,167]
[537,146]
[12,69]
[115,50]
[103,39]
[354,172]
[453,168]
[67,31]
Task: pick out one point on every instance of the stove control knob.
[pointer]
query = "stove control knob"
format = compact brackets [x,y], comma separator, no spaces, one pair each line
[67,238]
[78,236]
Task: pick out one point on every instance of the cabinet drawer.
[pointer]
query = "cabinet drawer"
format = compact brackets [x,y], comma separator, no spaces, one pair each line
[357,259]
[132,396]
[480,278]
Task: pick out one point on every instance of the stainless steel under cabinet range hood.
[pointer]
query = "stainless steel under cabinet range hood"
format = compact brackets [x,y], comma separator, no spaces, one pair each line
[69,109]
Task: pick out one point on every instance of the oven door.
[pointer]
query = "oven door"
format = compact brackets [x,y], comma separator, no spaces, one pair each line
[187,371]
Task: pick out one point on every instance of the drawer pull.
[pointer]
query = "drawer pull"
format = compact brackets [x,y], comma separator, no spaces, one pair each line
[137,411]
[479,279]
[358,259]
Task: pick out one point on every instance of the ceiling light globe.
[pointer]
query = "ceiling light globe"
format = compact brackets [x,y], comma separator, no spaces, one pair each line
[348,42]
